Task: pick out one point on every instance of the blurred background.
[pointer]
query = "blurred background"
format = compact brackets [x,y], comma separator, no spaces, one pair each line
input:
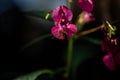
[22,21]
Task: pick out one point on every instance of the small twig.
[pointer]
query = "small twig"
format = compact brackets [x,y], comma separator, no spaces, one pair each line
[90,31]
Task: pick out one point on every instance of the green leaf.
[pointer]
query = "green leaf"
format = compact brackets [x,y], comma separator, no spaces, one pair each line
[34,75]
[35,41]
[41,14]
[83,51]
[47,15]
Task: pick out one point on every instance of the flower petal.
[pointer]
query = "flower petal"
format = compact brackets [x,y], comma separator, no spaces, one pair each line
[86,5]
[68,13]
[57,13]
[85,17]
[109,62]
[58,32]
[88,17]
[71,30]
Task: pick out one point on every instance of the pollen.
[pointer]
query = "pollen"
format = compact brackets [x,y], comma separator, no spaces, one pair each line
[63,20]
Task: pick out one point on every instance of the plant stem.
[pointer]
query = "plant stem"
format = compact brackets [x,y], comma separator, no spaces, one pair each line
[69,56]
[83,33]
[69,52]
[90,31]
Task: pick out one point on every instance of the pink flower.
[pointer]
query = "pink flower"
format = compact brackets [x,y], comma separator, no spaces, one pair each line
[86,5]
[85,17]
[109,61]
[113,57]
[63,28]
[62,12]
[111,45]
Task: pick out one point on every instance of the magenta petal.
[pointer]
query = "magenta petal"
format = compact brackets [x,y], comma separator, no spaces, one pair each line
[109,62]
[87,17]
[59,11]
[86,5]
[71,30]
[55,14]
[68,13]
[57,32]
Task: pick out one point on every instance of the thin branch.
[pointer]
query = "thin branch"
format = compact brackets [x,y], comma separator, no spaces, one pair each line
[90,31]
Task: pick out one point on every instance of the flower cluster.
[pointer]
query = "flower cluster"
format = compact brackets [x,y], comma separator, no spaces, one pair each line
[63,28]
[62,17]
[85,17]
[87,6]
[111,45]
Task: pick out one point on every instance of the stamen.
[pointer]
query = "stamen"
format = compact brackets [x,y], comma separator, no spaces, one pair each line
[63,20]
[114,41]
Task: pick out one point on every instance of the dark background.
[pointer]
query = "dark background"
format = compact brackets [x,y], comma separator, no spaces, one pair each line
[18,28]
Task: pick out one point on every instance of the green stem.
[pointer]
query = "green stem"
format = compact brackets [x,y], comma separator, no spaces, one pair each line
[69,56]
